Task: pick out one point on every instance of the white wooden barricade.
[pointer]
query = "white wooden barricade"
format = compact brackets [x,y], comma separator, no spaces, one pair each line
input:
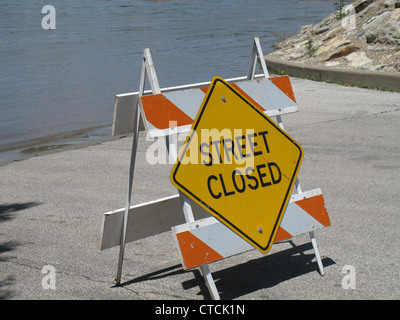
[153,110]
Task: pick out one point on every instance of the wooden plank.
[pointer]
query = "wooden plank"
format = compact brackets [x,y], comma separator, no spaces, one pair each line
[124,115]
[154,217]
[145,220]
[125,103]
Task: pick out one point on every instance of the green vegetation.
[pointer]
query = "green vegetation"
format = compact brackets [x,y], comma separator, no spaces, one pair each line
[339,7]
[310,47]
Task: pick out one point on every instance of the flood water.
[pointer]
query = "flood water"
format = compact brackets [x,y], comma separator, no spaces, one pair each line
[61,83]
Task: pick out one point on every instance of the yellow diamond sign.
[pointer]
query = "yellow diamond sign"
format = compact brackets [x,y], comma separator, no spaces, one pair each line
[238,164]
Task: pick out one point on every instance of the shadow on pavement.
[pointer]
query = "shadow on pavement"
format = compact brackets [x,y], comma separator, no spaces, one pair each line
[265,272]
[7,212]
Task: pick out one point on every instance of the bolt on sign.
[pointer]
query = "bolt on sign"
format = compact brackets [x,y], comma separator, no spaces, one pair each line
[238,164]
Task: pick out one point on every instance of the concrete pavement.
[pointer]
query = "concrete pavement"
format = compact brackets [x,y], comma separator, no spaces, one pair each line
[51,210]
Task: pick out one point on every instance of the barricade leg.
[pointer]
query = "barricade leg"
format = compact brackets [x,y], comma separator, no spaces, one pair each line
[147,68]
[128,197]
[205,270]
[312,237]
[319,261]
[189,217]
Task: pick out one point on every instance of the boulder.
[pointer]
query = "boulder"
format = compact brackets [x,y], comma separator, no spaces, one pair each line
[332,45]
[395,3]
[321,30]
[389,3]
[343,51]
[358,59]
[361,5]
[384,29]
[367,38]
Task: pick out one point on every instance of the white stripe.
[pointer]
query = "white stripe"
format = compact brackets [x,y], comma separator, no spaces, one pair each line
[189,101]
[297,221]
[221,239]
[305,195]
[267,94]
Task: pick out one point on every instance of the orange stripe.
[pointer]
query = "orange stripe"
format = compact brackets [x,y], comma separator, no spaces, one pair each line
[284,84]
[160,111]
[282,234]
[315,207]
[254,102]
[204,89]
[194,251]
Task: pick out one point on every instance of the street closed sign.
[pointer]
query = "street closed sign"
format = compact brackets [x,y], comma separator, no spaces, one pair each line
[238,164]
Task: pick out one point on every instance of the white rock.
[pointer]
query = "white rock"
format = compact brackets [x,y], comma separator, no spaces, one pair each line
[384,29]
[358,59]
[332,63]
[389,3]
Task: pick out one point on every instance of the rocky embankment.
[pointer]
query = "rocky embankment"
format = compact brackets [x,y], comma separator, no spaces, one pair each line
[364,35]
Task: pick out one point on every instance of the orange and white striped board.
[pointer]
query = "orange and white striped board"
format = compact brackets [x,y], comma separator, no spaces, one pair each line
[178,109]
[124,114]
[207,240]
